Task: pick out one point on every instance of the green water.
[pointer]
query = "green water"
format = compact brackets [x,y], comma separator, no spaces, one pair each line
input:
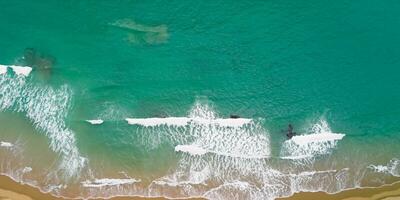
[277,61]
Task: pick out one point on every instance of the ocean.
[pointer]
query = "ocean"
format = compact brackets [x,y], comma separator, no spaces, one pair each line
[183,99]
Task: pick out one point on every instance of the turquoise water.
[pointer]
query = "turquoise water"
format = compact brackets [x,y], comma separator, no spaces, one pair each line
[275,62]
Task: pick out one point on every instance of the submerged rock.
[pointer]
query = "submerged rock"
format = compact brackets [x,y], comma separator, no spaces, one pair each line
[142,34]
[36,59]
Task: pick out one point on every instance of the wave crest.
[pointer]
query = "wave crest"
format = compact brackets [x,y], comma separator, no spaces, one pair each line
[320,141]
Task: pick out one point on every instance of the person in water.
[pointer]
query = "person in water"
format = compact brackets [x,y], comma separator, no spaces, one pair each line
[233,116]
[290,133]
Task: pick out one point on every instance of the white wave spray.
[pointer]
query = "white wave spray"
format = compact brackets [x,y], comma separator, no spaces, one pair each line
[47,109]
[320,141]
[393,167]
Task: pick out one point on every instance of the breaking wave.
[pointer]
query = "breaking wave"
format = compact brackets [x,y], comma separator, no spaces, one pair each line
[320,141]
[218,162]
[18,70]
[205,130]
[95,121]
[47,109]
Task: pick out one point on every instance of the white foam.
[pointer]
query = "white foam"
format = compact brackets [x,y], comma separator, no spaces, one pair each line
[229,122]
[322,137]
[183,121]
[21,70]
[171,121]
[191,149]
[3,69]
[26,170]
[213,152]
[196,150]
[393,167]
[319,141]
[311,173]
[379,168]
[47,109]
[6,144]
[95,121]
[108,182]
[296,157]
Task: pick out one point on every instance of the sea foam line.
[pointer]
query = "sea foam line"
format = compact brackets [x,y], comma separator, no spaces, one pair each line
[6,144]
[183,121]
[196,150]
[321,140]
[108,182]
[322,137]
[95,121]
[3,69]
[18,70]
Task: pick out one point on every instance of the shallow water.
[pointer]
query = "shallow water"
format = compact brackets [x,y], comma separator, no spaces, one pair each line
[325,67]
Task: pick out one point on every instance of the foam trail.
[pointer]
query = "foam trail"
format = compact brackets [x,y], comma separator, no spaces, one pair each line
[191,149]
[323,137]
[170,121]
[195,150]
[3,69]
[108,182]
[6,144]
[47,109]
[320,141]
[95,121]
[184,121]
[393,167]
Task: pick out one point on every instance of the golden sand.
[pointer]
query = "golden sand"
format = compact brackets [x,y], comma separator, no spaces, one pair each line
[11,190]
[387,192]
[5,194]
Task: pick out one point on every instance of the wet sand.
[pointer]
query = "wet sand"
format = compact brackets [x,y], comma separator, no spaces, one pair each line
[387,192]
[11,190]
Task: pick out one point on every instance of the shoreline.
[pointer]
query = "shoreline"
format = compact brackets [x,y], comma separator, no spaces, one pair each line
[10,189]
[384,192]
[13,190]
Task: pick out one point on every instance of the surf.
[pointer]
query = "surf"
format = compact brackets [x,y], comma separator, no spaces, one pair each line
[320,141]
[18,70]
[47,109]
[184,121]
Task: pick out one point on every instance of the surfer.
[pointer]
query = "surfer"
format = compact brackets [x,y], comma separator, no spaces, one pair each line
[290,132]
[232,116]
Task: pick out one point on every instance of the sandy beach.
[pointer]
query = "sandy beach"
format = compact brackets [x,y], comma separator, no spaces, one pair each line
[11,190]
[387,192]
